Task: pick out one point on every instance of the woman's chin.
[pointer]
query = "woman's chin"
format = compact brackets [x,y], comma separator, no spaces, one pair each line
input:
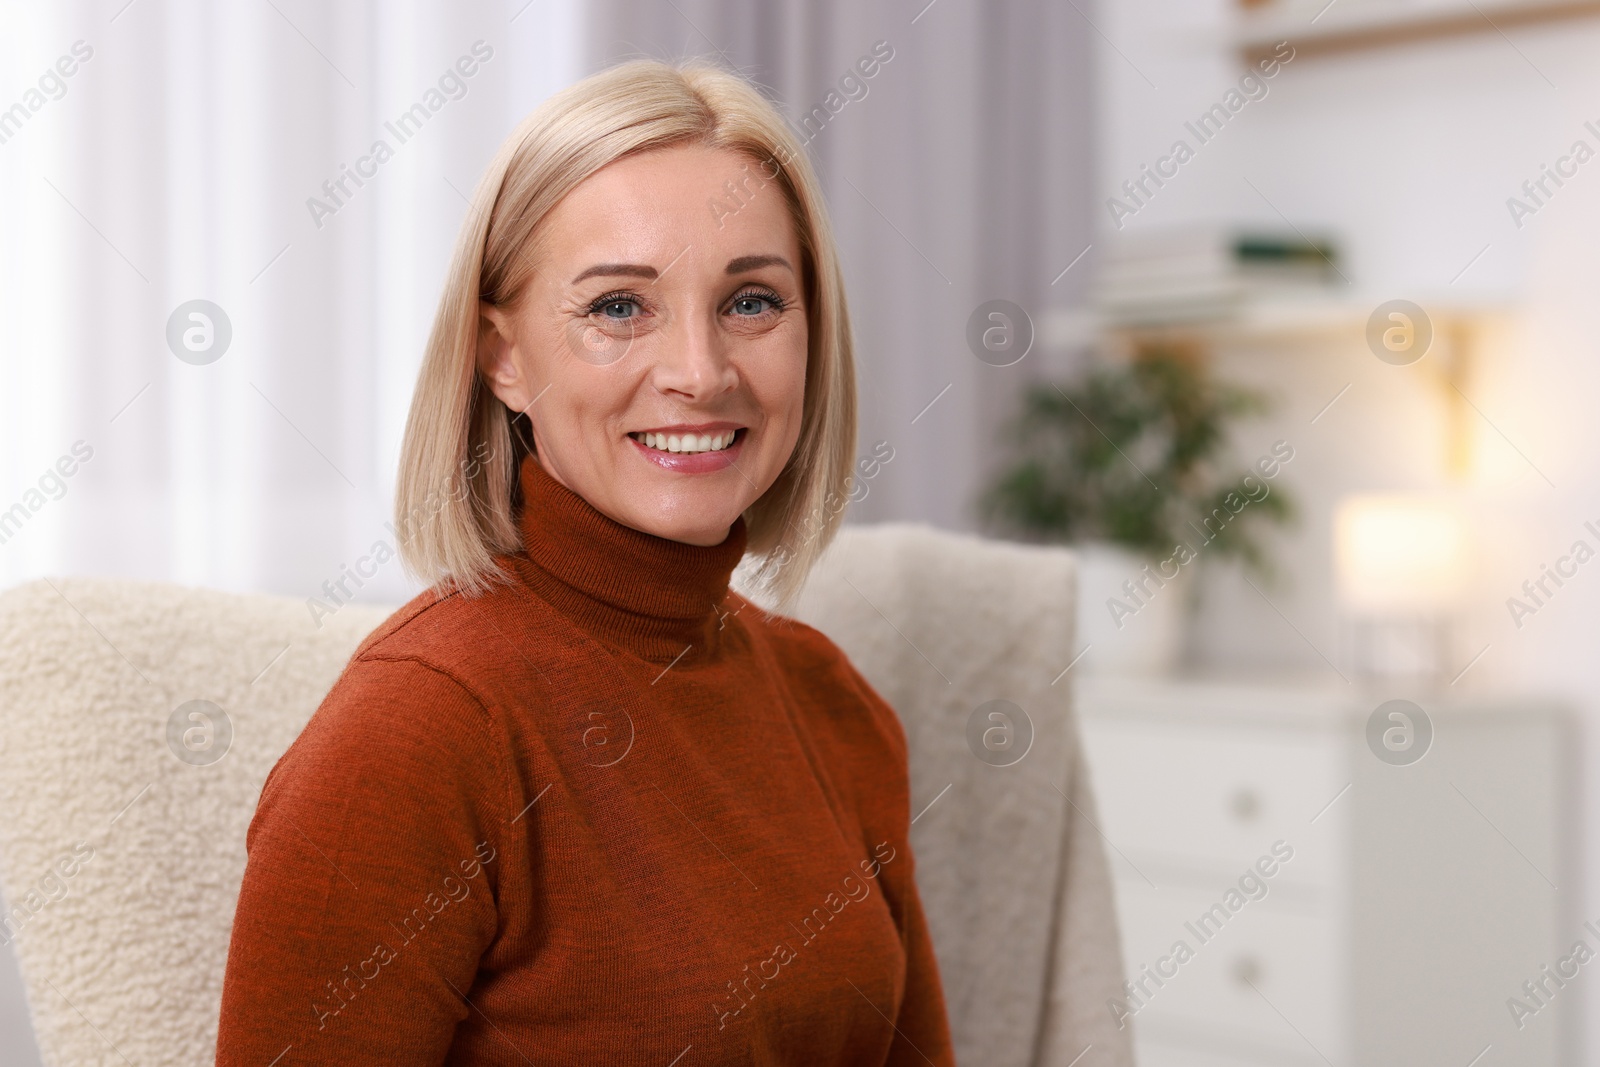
[698,533]
[698,515]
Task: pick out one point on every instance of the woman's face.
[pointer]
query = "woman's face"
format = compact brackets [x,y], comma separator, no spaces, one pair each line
[660,348]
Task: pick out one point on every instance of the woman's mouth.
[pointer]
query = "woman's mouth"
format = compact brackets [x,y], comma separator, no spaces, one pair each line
[687,443]
[691,452]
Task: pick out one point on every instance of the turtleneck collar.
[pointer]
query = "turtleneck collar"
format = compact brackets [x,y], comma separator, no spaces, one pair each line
[649,595]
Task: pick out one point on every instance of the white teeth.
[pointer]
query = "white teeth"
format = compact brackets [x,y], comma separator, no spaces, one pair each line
[687,442]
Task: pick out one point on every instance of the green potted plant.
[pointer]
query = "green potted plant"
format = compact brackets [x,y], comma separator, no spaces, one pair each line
[1127,463]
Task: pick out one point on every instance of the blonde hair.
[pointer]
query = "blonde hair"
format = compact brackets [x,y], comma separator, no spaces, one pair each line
[457,492]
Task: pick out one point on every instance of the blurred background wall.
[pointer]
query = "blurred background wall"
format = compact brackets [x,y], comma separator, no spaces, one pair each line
[1407,145]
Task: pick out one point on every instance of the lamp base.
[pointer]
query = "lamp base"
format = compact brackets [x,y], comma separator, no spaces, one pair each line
[1414,652]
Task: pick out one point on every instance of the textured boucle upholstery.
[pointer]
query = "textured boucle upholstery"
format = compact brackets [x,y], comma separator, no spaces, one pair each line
[121,864]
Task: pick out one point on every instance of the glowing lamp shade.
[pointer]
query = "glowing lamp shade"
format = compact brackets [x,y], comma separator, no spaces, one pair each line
[1399,556]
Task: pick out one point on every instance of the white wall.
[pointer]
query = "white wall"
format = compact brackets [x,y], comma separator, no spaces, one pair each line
[1409,154]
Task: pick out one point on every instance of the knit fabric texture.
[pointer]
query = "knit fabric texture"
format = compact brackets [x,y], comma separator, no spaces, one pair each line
[610,812]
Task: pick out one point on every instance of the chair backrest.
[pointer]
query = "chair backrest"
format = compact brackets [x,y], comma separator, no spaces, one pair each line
[120,862]
[141,720]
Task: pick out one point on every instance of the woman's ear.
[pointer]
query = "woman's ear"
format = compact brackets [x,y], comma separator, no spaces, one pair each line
[497,357]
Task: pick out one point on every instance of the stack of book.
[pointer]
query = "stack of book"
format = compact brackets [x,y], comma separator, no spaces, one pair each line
[1208,273]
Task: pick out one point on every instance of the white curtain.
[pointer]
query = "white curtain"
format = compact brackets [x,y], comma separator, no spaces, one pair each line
[175,163]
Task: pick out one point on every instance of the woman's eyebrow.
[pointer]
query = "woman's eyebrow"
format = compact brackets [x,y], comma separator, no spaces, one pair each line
[744,263]
[641,270]
[618,270]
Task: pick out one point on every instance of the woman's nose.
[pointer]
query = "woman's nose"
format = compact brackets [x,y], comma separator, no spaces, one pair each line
[694,361]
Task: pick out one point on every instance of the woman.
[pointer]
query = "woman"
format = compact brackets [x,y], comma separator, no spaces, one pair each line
[579,802]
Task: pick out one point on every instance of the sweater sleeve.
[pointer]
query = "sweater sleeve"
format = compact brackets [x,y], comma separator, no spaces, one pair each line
[369,892]
[922,1030]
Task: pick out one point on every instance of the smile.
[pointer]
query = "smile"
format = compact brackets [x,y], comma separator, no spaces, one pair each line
[688,443]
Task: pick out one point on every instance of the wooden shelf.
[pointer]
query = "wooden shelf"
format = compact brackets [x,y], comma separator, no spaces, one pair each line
[1273,316]
[1318,28]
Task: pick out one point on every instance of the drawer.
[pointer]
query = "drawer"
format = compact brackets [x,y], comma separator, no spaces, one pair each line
[1161,1045]
[1262,982]
[1214,797]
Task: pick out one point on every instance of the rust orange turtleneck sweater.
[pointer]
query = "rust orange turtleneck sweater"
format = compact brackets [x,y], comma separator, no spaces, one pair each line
[609,813]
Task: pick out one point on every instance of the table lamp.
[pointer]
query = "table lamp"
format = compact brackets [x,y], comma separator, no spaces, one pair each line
[1401,563]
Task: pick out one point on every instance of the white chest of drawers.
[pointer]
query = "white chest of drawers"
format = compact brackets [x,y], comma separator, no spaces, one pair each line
[1414,903]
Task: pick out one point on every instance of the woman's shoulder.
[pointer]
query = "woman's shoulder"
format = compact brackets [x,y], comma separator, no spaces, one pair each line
[429,683]
[439,625]
[404,756]
[857,730]
[502,633]
[826,681]
[794,643]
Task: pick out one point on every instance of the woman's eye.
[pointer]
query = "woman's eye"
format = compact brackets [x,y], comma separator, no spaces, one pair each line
[618,309]
[751,304]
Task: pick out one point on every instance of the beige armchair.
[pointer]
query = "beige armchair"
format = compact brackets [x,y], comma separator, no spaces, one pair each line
[123,806]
